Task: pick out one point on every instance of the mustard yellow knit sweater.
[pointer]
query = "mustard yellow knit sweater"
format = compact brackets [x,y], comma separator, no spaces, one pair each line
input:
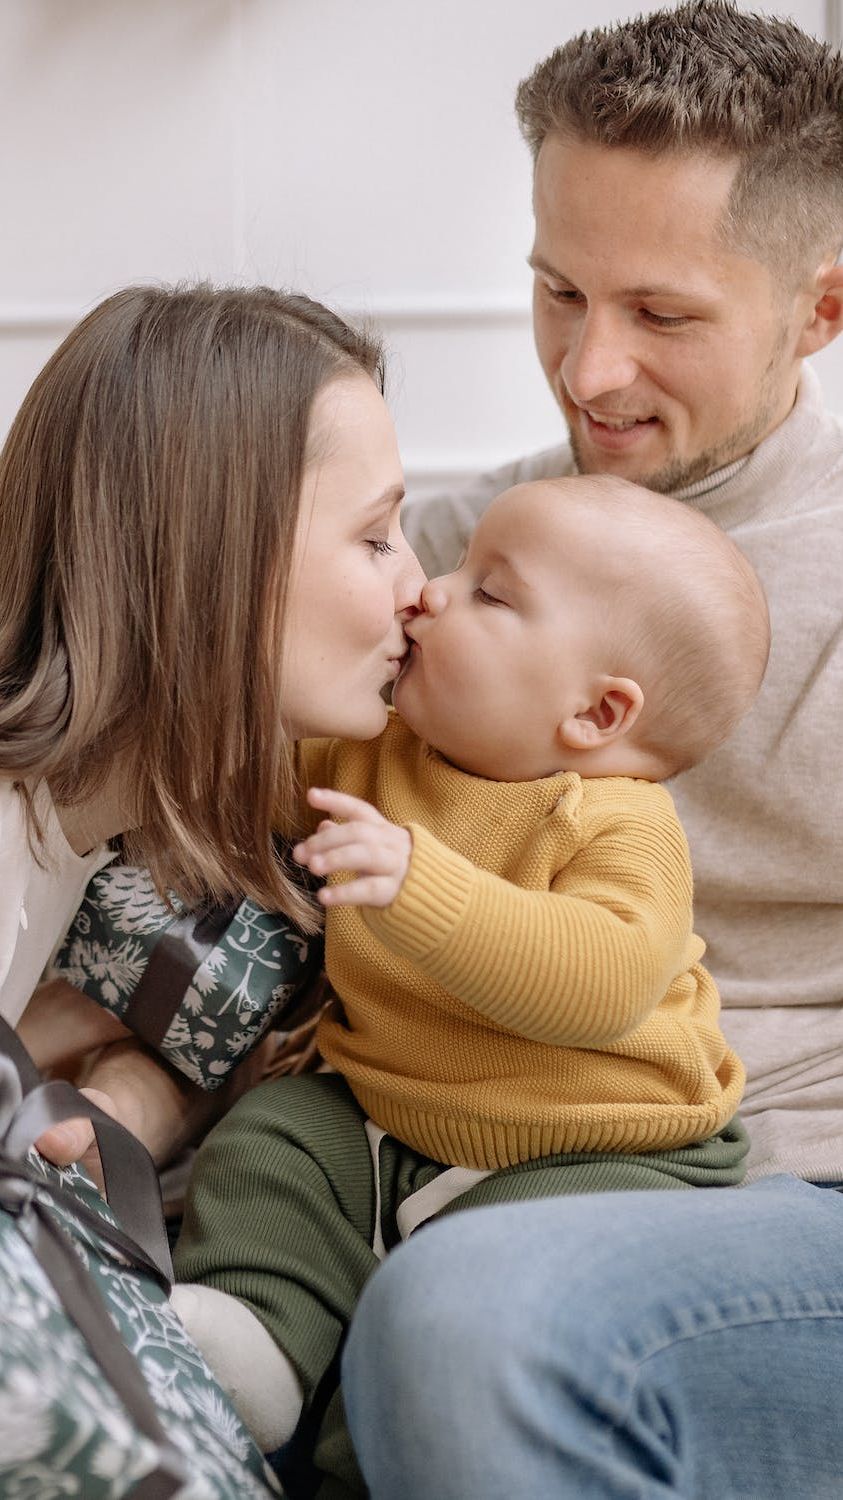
[536,986]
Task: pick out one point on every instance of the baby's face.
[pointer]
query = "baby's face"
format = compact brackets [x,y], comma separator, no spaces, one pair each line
[505,645]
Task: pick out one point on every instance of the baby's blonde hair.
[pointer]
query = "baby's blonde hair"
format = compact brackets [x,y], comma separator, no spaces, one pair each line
[685,616]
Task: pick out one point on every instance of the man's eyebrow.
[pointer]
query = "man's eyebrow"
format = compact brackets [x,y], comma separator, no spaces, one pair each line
[538,263]
[645,292]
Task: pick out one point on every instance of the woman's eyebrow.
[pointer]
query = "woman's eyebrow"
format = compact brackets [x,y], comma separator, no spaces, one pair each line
[385,502]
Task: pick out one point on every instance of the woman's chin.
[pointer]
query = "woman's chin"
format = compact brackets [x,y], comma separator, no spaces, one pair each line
[373,724]
[377,722]
[409,711]
[401,696]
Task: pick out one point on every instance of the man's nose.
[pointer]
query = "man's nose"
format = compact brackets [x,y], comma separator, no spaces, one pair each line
[599,360]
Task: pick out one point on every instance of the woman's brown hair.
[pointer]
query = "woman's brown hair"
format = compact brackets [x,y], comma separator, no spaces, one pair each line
[149,494]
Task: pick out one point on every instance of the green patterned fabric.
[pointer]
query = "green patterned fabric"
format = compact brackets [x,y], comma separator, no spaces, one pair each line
[63,1431]
[259,964]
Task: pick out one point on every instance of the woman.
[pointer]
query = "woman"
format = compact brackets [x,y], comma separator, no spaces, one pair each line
[204,561]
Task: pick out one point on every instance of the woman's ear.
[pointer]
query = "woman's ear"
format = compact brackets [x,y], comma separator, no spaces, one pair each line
[825,320]
[617,703]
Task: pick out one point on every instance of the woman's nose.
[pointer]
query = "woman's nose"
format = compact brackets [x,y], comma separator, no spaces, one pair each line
[408,584]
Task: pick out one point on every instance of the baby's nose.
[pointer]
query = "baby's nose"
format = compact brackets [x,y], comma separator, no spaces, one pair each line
[434,596]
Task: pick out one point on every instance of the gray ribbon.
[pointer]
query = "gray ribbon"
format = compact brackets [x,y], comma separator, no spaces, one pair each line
[27,1108]
[177,954]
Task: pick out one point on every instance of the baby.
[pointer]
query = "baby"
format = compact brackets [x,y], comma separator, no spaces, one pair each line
[509,927]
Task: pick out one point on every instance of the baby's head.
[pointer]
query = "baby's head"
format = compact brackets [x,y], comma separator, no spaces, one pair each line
[593,626]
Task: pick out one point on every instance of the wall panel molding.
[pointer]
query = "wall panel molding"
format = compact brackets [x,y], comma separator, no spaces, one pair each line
[21,319]
[40,318]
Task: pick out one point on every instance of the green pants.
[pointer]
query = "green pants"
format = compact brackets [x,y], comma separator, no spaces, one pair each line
[282,1206]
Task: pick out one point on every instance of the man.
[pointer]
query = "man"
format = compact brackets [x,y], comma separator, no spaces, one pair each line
[688,200]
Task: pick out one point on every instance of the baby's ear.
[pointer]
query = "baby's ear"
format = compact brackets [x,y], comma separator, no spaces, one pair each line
[616,704]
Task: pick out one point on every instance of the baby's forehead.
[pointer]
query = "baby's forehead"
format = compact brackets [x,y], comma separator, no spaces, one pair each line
[528,509]
[585,502]
[545,518]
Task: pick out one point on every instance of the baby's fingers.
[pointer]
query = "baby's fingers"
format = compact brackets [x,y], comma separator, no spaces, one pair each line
[367,859]
[368,890]
[331,836]
[341,805]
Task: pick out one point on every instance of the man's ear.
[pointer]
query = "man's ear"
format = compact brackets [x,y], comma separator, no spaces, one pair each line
[826,315]
[617,702]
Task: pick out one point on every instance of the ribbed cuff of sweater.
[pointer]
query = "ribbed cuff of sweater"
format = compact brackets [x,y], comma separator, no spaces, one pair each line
[431,902]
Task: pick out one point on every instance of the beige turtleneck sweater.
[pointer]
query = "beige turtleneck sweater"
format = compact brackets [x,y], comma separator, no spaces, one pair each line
[764,815]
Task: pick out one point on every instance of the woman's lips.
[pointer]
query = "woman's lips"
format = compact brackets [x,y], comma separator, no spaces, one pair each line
[395,665]
[412,653]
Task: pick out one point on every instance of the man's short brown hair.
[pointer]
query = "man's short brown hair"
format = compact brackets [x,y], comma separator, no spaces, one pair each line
[708,77]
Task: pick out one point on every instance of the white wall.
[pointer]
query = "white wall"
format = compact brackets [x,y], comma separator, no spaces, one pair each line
[365,152]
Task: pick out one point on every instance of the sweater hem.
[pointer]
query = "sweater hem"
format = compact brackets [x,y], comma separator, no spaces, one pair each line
[490,1145]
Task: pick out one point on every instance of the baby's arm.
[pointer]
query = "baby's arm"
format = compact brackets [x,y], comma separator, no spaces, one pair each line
[581,964]
[377,850]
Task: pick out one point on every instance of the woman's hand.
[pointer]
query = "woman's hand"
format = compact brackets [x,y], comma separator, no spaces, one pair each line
[61,1026]
[376,850]
[133,1086]
[153,1101]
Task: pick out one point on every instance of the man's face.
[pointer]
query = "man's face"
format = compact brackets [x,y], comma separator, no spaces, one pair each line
[669,354]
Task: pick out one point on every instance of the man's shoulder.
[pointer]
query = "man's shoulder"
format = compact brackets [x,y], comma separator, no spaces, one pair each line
[438,526]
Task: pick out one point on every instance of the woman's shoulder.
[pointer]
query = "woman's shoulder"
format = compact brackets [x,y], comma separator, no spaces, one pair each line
[16,861]
[14,837]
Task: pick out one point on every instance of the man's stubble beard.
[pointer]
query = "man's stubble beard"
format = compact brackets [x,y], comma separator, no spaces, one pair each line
[678,475]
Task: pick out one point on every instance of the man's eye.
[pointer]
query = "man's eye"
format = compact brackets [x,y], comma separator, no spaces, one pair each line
[379,546]
[567,295]
[484,597]
[663,322]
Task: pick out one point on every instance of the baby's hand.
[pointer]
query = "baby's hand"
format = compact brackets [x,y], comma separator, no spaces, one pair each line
[377,850]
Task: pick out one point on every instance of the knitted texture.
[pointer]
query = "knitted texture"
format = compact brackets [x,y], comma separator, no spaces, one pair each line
[764,813]
[535,988]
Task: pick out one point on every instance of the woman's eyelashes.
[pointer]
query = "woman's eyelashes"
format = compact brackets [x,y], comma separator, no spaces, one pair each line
[379,545]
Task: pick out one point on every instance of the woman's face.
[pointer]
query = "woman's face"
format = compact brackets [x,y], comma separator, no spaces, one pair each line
[354,578]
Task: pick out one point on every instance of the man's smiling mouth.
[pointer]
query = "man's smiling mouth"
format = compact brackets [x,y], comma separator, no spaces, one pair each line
[616,424]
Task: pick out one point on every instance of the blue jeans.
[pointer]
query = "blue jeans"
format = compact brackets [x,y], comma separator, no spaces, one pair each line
[621,1346]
